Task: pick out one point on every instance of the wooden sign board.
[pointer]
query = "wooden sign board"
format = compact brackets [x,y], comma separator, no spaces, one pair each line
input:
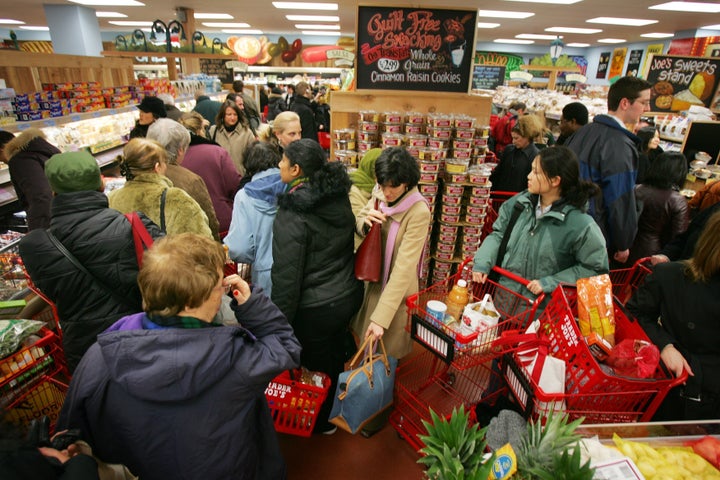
[415,48]
[680,82]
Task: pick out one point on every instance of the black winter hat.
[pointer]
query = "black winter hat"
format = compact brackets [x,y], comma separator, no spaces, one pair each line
[153,105]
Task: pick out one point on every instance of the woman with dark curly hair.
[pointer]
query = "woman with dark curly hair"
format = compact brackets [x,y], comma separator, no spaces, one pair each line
[313,276]
[232,132]
[664,213]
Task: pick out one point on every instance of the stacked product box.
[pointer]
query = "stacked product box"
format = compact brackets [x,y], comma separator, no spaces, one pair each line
[121,96]
[75,97]
[154,87]
[7,114]
[344,143]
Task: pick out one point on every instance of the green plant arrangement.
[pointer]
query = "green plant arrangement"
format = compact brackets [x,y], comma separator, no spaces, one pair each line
[454,450]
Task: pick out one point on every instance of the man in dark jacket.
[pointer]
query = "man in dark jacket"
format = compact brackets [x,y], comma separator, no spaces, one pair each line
[608,156]
[304,109]
[206,107]
[100,238]
[26,155]
[172,395]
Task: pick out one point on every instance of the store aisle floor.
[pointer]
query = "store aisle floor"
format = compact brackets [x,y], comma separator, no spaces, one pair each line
[384,456]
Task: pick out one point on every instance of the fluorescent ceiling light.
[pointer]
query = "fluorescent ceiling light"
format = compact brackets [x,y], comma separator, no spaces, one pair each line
[110,15]
[123,23]
[581,45]
[632,22]
[310,26]
[245,31]
[226,24]
[213,16]
[556,2]
[8,21]
[711,27]
[583,31]
[534,36]
[313,18]
[504,14]
[323,34]
[37,28]
[110,3]
[697,7]
[513,40]
[487,25]
[305,6]
[657,35]
[612,40]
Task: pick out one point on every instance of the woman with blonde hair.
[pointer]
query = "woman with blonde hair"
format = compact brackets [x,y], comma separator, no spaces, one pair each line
[148,190]
[283,130]
[516,162]
[232,132]
[679,308]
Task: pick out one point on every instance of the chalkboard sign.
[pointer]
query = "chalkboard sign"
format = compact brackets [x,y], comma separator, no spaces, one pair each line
[702,137]
[415,48]
[487,77]
[633,66]
[216,66]
[680,82]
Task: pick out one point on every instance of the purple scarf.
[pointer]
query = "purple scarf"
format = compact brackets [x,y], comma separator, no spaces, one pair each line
[399,207]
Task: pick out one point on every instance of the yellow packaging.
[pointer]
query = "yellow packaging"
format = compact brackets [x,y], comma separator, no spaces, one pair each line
[595,307]
[505,464]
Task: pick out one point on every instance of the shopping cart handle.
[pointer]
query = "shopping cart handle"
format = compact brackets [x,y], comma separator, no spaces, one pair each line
[680,380]
[507,273]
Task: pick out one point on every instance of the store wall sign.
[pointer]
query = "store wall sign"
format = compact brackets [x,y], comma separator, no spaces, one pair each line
[487,77]
[633,66]
[508,60]
[415,49]
[680,82]
[603,65]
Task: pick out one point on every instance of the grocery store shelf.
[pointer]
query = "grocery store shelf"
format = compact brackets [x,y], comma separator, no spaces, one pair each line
[75,117]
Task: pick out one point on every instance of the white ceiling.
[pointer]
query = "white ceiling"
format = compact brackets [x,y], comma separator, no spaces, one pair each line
[261,14]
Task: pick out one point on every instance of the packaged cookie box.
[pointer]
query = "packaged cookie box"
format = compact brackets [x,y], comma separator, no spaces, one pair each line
[470,230]
[427,166]
[440,120]
[363,146]
[451,209]
[454,200]
[465,133]
[391,127]
[464,121]
[428,177]
[415,128]
[445,246]
[447,238]
[391,140]
[430,153]
[449,217]
[440,132]
[344,134]
[456,177]
[415,118]
[369,116]
[392,117]
[429,189]
[445,256]
[474,219]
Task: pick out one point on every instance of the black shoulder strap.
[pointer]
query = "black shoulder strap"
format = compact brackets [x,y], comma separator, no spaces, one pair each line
[517,209]
[162,210]
[84,270]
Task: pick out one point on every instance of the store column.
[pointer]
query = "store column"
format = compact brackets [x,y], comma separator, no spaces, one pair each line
[74,30]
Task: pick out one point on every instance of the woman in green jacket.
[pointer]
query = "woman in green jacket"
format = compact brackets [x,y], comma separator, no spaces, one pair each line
[553,239]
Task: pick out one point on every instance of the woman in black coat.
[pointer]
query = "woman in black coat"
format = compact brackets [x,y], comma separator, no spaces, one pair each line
[313,269]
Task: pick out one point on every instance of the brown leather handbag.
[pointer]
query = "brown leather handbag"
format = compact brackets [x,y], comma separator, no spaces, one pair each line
[368,258]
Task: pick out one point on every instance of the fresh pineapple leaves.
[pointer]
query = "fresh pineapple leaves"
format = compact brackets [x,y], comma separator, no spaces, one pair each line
[453,450]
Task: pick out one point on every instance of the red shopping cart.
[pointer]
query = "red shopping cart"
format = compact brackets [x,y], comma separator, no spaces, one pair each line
[590,390]
[449,342]
[496,200]
[625,281]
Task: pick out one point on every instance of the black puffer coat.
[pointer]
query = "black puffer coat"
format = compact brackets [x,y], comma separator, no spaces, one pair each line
[101,239]
[27,154]
[313,238]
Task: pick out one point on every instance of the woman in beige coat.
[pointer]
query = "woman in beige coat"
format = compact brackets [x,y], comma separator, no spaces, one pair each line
[405,218]
[232,132]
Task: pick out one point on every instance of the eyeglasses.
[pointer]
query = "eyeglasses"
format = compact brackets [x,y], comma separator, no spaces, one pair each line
[224,288]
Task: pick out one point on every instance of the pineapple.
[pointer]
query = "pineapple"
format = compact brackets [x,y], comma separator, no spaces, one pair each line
[453,450]
[544,452]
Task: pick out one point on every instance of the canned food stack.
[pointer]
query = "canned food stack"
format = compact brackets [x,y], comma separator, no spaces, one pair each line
[345,147]
[368,131]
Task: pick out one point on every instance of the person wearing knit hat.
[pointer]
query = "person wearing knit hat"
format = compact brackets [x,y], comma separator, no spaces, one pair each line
[151,108]
[73,172]
[363,182]
[100,238]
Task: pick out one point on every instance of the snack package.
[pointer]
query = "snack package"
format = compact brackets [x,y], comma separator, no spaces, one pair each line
[595,307]
[634,358]
[479,316]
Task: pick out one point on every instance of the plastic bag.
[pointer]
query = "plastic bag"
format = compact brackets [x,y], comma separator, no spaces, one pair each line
[595,307]
[13,332]
[634,358]
[479,316]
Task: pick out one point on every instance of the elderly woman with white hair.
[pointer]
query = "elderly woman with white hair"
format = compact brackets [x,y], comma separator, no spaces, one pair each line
[176,140]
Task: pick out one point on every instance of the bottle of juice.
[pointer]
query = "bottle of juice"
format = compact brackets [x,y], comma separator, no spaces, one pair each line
[456,300]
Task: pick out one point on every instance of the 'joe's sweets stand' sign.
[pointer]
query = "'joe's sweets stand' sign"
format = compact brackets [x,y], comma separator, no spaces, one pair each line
[415,49]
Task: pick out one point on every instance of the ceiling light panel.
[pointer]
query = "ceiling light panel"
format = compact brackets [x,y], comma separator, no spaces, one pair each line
[305,6]
[213,16]
[657,35]
[535,36]
[312,18]
[697,7]
[109,3]
[513,40]
[581,31]
[612,40]
[631,22]
[711,27]
[110,15]
[487,25]
[504,14]
[9,21]
[580,45]
[124,23]
[37,28]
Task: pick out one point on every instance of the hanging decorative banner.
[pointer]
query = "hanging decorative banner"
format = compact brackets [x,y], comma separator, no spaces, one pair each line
[633,66]
[618,60]
[603,65]
[415,49]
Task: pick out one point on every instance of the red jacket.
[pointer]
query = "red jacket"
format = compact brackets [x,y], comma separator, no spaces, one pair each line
[501,131]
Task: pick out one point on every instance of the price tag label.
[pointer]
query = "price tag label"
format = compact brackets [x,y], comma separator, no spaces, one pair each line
[96,114]
[50,123]
[75,117]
